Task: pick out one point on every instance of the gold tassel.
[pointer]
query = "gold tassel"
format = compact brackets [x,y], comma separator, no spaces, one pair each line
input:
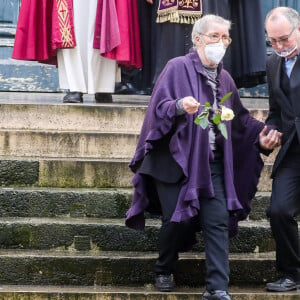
[173,15]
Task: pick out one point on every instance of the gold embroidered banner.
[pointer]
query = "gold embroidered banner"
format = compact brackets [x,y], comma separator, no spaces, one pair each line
[179,11]
[66,26]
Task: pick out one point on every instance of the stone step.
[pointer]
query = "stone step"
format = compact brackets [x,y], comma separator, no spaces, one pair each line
[122,268]
[148,292]
[93,202]
[83,173]
[37,143]
[121,118]
[42,125]
[65,173]
[45,111]
[260,203]
[63,202]
[60,144]
[256,102]
[112,235]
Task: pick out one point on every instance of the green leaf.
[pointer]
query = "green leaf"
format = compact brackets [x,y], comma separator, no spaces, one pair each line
[225,97]
[202,115]
[207,104]
[197,120]
[217,119]
[203,123]
[223,129]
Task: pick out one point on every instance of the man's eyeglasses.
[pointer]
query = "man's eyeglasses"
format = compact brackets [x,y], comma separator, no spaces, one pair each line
[215,38]
[281,41]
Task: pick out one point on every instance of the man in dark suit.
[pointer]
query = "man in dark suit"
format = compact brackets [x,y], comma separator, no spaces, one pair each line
[283,73]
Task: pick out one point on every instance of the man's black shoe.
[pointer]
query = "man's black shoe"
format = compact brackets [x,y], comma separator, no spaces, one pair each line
[73,97]
[121,88]
[282,285]
[216,295]
[125,88]
[164,283]
[103,98]
[147,91]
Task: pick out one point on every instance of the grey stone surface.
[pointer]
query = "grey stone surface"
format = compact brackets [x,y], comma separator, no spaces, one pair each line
[129,268]
[66,187]
[147,292]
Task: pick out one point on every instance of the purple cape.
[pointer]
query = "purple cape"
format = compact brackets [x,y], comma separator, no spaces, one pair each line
[189,145]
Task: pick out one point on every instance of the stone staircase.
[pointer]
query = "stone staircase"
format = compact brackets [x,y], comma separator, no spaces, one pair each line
[65,188]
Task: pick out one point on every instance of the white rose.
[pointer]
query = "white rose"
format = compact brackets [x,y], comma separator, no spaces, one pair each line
[227,114]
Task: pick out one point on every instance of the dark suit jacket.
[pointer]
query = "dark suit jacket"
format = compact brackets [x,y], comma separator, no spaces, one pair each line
[284,112]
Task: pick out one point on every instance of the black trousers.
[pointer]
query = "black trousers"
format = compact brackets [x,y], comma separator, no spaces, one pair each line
[213,219]
[284,207]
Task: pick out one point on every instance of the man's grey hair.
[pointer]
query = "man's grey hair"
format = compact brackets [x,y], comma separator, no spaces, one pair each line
[202,25]
[289,13]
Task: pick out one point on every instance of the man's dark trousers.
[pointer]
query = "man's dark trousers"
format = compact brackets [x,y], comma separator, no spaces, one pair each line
[284,207]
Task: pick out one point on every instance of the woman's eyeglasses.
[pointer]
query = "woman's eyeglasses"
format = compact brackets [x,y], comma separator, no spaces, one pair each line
[215,38]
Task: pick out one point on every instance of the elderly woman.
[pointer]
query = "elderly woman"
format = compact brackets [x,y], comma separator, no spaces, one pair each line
[197,177]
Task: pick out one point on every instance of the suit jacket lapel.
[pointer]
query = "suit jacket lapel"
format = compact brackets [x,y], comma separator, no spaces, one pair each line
[295,87]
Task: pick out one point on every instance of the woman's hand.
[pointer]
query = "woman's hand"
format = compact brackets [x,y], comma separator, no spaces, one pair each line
[190,104]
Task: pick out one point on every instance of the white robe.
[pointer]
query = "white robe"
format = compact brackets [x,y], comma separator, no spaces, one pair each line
[83,69]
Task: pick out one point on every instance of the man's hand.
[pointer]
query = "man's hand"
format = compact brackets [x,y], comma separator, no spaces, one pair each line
[190,104]
[149,1]
[271,140]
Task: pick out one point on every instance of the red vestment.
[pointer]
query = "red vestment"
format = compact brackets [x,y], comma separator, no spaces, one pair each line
[128,53]
[47,25]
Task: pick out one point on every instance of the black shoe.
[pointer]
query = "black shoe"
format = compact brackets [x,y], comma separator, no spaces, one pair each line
[73,97]
[131,90]
[164,283]
[125,88]
[120,88]
[103,98]
[147,91]
[216,295]
[282,285]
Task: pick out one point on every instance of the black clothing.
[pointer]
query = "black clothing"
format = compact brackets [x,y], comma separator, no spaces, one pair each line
[245,58]
[213,221]
[285,199]
[160,42]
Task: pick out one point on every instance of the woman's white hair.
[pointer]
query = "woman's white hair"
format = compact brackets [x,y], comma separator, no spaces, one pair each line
[202,25]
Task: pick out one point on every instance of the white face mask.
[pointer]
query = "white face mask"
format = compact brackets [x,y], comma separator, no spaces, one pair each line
[286,52]
[215,52]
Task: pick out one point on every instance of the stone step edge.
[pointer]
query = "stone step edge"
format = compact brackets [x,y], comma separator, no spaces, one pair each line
[56,131]
[14,95]
[118,255]
[113,159]
[66,220]
[115,221]
[144,291]
[120,103]
[67,159]
[127,190]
